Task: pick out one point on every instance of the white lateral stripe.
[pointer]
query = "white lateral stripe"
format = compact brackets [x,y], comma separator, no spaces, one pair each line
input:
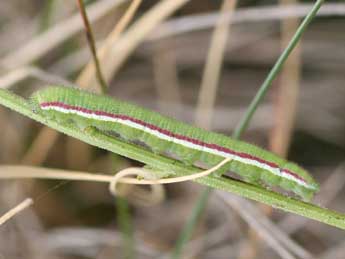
[275,171]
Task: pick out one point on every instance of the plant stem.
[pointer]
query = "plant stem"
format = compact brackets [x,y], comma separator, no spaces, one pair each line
[188,228]
[242,126]
[125,224]
[91,42]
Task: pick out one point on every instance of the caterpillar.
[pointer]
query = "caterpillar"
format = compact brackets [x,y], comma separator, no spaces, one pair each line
[165,135]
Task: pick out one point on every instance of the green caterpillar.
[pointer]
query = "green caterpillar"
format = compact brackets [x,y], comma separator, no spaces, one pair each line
[165,135]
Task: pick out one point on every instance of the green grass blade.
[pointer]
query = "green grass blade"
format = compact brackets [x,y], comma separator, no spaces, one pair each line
[242,126]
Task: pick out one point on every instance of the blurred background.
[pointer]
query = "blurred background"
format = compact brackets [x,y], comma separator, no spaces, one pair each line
[201,62]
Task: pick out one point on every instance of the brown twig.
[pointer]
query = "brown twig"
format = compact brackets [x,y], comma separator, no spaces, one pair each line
[91,42]
[87,76]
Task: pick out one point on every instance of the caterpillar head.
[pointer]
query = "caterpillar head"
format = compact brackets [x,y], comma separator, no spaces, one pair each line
[302,173]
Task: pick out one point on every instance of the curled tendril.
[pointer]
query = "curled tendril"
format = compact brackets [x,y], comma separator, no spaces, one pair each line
[157,194]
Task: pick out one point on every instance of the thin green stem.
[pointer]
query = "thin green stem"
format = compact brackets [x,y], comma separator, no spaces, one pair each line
[187,230]
[91,42]
[125,224]
[96,138]
[242,126]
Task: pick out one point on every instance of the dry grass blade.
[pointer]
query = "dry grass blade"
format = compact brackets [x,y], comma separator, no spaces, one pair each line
[23,73]
[43,43]
[252,14]
[40,147]
[77,238]
[136,34]
[11,213]
[212,70]
[288,92]
[273,236]
[166,79]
